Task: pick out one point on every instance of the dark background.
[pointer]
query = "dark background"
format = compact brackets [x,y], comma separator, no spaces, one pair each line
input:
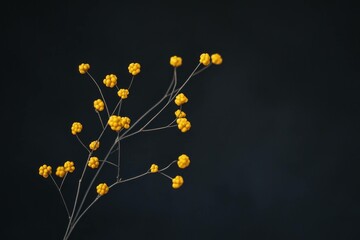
[274,145]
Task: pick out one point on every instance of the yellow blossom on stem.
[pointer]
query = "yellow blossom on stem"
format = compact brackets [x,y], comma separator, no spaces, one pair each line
[76,128]
[69,166]
[123,93]
[83,68]
[180,99]
[125,121]
[183,161]
[60,171]
[115,122]
[102,189]
[110,80]
[183,124]
[154,168]
[177,182]
[99,105]
[205,59]
[134,68]
[175,61]
[180,114]
[93,162]
[45,170]
[216,59]
[94,145]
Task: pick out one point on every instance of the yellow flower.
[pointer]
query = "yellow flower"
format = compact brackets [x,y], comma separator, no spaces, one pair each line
[93,162]
[183,124]
[69,166]
[216,59]
[76,128]
[102,189]
[180,114]
[205,59]
[115,122]
[154,168]
[175,61]
[45,170]
[125,122]
[177,182]
[183,161]
[123,93]
[83,68]
[180,99]
[134,68]
[94,145]
[60,171]
[99,105]
[110,80]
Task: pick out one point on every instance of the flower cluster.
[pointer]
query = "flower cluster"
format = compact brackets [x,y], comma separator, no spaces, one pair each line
[183,161]
[83,68]
[177,182]
[154,168]
[116,123]
[180,114]
[205,59]
[216,59]
[93,162]
[102,189]
[76,128]
[123,93]
[110,80]
[94,145]
[67,167]
[175,61]
[45,170]
[181,99]
[99,105]
[184,125]
[134,68]
[60,171]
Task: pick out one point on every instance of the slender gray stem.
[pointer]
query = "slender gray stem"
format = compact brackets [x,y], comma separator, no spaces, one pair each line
[61,195]
[158,128]
[82,143]
[101,121]
[102,96]
[118,167]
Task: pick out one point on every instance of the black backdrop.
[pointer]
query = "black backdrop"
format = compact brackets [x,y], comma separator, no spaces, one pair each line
[274,139]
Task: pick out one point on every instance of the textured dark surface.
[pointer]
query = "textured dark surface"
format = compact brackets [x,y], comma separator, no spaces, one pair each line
[274,145]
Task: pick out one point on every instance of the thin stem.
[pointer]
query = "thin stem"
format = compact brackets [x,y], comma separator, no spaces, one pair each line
[120,103]
[93,180]
[158,128]
[63,180]
[139,119]
[130,179]
[77,220]
[172,96]
[82,143]
[166,175]
[163,169]
[101,121]
[132,79]
[61,195]
[202,69]
[102,96]
[118,167]
[175,83]
[113,164]
[171,84]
